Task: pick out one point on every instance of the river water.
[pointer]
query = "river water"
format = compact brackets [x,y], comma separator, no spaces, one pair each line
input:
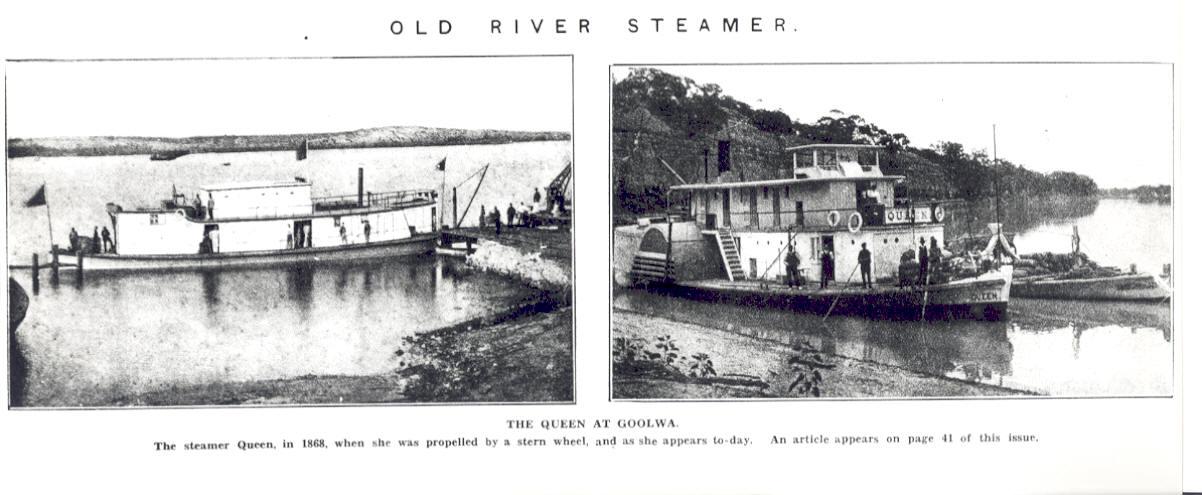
[1057,348]
[112,337]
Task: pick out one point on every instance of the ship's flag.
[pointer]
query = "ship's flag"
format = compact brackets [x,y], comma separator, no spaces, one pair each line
[442,165]
[38,199]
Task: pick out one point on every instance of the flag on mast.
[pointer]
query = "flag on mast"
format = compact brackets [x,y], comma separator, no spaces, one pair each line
[38,198]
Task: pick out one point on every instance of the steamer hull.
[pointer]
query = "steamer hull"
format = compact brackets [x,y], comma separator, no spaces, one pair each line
[417,245]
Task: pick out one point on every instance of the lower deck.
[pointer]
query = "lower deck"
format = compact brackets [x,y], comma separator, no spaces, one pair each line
[984,297]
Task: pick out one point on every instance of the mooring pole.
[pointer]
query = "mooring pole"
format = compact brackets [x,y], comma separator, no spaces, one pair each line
[35,273]
[455,206]
[54,264]
[78,266]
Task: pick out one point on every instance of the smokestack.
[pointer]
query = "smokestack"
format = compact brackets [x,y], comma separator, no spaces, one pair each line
[360,187]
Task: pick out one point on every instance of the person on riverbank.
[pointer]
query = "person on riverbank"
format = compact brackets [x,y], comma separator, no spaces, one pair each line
[865,260]
[924,261]
[496,217]
[792,274]
[828,267]
[510,214]
[483,220]
[107,240]
[537,196]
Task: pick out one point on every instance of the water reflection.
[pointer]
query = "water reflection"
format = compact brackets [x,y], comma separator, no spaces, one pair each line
[121,335]
[1045,347]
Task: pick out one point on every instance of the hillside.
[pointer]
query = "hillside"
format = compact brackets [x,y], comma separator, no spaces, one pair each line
[379,137]
[661,118]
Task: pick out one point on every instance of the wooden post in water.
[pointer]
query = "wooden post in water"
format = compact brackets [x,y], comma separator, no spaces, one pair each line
[54,263]
[35,273]
[455,207]
[78,266]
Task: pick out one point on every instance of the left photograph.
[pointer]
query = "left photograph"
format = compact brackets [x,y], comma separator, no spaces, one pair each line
[281,232]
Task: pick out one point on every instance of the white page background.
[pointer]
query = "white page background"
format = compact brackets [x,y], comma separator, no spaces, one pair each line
[1087,446]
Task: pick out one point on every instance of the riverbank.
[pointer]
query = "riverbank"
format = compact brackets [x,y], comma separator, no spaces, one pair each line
[709,362]
[523,355]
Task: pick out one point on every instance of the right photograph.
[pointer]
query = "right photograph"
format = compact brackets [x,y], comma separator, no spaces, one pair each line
[933,230]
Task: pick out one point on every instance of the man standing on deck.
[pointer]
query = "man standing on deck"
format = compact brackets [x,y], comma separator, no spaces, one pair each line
[509,214]
[211,204]
[106,239]
[366,231]
[73,239]
[791,262]
[865,266]
[936,258]
[924,261]
[95,240]
[828,267]
[198,210]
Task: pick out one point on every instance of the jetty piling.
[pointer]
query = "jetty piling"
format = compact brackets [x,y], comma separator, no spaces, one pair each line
[54,264]
[35,273]
[78,266]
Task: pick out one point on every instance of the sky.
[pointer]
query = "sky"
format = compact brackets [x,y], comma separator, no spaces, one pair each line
[1112,122]
[179,98]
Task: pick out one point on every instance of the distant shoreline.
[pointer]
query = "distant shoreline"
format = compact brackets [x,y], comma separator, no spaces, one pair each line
[379,137]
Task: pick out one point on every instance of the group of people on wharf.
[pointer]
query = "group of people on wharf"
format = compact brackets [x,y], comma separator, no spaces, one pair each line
[522,215]
[102,241]
[927,264]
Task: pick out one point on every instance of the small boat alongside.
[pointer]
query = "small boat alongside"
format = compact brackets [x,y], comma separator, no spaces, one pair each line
[1122,287]
[264,223]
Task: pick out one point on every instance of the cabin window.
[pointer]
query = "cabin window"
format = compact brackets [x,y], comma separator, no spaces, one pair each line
[154,218]
[828,159]
[786,191]
[751,264]
[765,193]
[815,247]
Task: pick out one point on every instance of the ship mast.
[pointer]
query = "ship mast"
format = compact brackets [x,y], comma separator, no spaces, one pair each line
[997,202]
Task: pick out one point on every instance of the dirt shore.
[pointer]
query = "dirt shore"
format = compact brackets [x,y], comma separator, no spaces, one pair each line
[745,366]
[526,358]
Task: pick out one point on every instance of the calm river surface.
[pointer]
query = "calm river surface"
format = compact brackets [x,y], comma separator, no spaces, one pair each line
[1058,348]
[115,336]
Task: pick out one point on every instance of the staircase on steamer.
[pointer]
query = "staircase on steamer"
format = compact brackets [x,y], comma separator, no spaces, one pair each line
[730,255]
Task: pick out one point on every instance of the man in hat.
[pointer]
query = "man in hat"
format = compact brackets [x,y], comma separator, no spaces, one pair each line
[792,274]
[865,260]
[923,261]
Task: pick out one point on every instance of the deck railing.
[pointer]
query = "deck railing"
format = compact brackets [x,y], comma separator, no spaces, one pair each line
[374,200]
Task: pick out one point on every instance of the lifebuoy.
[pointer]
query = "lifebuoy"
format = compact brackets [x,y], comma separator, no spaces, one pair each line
[854,222]
[938,213]
[832,218]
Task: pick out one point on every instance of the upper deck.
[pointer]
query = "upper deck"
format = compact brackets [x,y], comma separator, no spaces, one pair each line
[282,200]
